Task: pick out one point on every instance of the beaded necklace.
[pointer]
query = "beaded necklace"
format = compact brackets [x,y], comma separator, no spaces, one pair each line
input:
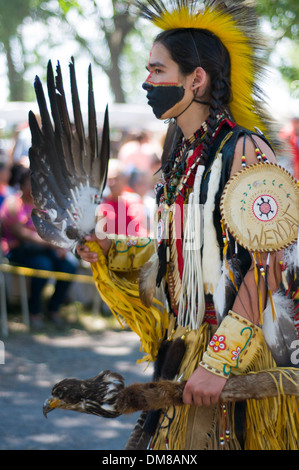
[178,175]
[173,178]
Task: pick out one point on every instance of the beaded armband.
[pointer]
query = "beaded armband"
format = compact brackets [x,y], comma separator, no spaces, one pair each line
[233,347]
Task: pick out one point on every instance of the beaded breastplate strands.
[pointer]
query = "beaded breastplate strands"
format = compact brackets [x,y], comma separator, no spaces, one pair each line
[178,207]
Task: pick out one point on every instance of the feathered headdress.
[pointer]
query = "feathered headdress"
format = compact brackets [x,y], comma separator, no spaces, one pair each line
[235,24]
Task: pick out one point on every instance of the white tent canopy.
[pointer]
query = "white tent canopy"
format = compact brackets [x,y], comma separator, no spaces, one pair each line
[121,116]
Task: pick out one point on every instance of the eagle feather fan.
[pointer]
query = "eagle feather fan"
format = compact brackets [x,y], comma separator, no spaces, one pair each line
[68,172]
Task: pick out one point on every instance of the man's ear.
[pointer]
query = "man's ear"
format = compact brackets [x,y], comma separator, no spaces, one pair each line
[200,79]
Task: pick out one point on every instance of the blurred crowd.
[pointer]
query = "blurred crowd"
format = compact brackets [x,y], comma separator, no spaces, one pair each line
[128,205]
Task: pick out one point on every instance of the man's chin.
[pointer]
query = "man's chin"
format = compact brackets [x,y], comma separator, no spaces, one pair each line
[169,114]
[166,116]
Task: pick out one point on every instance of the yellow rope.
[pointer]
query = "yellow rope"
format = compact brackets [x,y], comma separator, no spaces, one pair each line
[30,272]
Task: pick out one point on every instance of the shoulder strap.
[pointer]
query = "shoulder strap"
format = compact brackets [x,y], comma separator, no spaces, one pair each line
[227,147]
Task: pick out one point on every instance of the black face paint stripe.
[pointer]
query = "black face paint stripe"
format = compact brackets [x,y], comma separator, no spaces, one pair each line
[163,97]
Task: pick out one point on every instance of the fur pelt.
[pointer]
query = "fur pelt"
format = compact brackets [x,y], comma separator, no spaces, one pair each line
[168,361]
[238,388]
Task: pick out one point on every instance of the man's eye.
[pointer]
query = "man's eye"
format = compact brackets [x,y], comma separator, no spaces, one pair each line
[157,71]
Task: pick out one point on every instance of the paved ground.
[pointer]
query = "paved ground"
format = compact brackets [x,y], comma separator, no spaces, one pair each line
[35,362]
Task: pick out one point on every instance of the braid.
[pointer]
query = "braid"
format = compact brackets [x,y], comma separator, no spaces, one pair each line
[167,166]
[219,103]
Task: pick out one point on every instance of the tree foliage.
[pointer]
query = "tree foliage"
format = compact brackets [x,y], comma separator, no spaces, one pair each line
[113,25]
[283,16]
[109,33]
[13,15]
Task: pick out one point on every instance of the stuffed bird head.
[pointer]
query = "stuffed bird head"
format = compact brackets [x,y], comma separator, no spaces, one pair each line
[96,396]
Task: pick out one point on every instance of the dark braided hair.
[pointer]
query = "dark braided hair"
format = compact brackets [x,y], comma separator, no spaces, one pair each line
[191,48]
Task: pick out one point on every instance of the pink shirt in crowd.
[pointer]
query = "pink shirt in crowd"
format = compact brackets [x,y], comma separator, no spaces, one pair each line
[14,210]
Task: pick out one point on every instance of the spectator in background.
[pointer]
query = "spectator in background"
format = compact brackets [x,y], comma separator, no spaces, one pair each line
[23,246]
[16,172]
[5,188]
[290,134]
[141,186]
[138,152]
[122,210]
[22,142]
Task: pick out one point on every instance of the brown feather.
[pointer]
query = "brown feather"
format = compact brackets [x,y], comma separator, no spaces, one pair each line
[138,438]
[147,280]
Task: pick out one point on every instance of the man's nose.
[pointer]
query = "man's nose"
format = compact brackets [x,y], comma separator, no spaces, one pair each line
[147,86]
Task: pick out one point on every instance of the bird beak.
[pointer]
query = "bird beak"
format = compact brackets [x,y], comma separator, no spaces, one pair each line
[50,404]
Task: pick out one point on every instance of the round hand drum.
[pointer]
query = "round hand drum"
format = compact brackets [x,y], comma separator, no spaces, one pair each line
[260,207]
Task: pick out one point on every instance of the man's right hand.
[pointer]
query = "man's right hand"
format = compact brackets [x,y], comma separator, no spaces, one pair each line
[84,252]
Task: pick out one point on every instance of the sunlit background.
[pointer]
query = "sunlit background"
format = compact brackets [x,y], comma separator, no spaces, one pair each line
[75,30]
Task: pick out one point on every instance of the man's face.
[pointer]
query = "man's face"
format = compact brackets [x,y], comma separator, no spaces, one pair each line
[168,91]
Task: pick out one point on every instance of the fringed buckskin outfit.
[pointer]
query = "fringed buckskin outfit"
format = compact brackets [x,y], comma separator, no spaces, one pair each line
[197,264]
[177,291]
[199,327]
